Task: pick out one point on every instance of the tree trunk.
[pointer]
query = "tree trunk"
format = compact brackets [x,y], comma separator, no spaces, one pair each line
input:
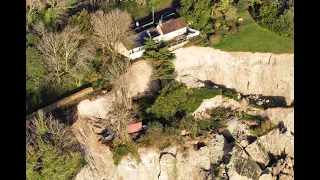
[58,80]
[113,59]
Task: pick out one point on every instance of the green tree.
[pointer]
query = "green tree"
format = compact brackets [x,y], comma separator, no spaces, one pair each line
[82,20]
[173,97]
[223,5]
[284,25]
[268,13]
[275,16]
[35,77]
[161,59]
[196,12]
[157,50]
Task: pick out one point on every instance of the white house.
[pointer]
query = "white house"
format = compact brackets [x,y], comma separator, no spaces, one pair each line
[174,29]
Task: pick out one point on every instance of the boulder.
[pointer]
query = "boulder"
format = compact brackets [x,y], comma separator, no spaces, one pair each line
[168,167]
[267,177]
[258,153]
[203,158]
[276,142]
[242,166]
[285,177]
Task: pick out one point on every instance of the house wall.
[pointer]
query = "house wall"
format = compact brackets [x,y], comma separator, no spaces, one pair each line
[137,54]
[194,33]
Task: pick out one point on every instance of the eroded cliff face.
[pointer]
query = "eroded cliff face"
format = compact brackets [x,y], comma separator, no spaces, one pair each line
[218,158]
[249,73]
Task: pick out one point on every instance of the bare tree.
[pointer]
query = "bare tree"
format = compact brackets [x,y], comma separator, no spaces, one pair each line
[59,50]
[81,67]
[110,29]
[113,72]
[47,129]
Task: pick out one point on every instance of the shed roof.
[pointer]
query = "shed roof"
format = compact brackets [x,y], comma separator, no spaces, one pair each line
[134,127]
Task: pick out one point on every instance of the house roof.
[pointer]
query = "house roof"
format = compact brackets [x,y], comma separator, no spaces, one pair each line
[173,25]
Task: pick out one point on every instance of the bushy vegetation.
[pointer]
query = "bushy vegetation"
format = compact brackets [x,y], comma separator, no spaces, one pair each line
[160,136]
[51,150]
[254,38]
[276,16]
[215,39]
[197,13]
[120,150]
[141,8]
[173,97]
[264,128]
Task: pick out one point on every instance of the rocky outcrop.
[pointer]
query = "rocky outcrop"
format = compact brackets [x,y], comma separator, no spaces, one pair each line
[286,115]
[218,101]
[233,152]
[169,169]
[276,142]
[242,166]
[98,156]
[248,73]
[258,153]
[284,168]
[267,177]
[148,168]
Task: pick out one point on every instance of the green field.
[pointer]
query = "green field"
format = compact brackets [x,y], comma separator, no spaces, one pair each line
[255,39]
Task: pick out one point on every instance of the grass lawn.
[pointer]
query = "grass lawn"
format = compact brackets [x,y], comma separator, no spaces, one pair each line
[255,39]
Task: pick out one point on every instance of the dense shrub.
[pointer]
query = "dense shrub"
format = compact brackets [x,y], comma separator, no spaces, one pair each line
[275,16]
[242,5]
[240,28]
[217,24]
[159,136]
[189,124]
[264,128]
[233,30]
[246,116]
[164,145]
[173,97]
[231,23]
[101,84]
[215,39]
